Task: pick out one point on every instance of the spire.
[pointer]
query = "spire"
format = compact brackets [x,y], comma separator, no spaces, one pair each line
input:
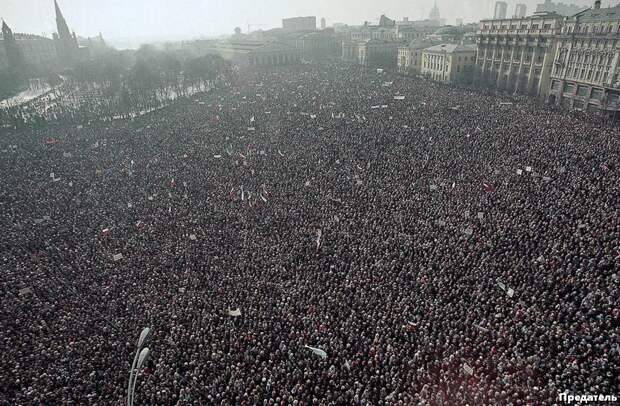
[7,33]
[61,24]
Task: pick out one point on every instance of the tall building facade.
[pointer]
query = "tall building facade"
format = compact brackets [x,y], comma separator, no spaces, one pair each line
[299,24]
[516,55]
[586,69]
[501,8]
[520,10]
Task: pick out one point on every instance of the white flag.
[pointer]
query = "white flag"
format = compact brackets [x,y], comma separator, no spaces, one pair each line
[217,156]
[192,237]
[528,168]
[52,175]
[510,292]
[234,313]
[117,257]
[317,351]
[468,370]
[519,172]
[318,238]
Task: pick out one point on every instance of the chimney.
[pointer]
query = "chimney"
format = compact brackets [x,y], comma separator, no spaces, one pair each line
[597,4]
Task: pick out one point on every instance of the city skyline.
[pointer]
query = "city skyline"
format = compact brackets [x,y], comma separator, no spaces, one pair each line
[188,19]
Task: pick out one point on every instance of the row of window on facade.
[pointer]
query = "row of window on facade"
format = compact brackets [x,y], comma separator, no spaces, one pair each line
[595,29]
[577,90]
[586,74]
[504,27]
[586,57]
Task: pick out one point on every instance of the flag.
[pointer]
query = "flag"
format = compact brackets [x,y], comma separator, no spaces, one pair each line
[280,153]
[252,119]
[192,237]
[319,234]
[51,141]
[262,197]
[140,225]
[468,370]
[106,232]
[234,313]
[117,257]
[317,351]
[488,187]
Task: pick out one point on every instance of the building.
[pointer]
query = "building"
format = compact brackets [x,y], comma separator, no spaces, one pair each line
[67,47]
[317,45]
[26,54]
[373,52]
[386,30]
[323,23]
[410,56]
[560,8]
[449,63]
[248,53]
[501,8]
[586,69]
[458,22]
[435,15]
[516,55]
[520,11]
[450,34]
[299,24]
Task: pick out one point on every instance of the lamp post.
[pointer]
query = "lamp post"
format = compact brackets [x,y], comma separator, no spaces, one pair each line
[138,361]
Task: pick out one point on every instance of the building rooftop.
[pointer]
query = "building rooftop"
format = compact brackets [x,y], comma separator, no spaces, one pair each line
[451,48]
[601,14]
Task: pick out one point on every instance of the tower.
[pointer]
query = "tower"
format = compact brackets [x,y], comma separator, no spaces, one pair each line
[14,56]
[434,16]
[501,8]
[66,42]
[323,23]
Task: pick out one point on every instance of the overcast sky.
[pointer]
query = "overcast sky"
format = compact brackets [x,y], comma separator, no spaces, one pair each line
[178,19]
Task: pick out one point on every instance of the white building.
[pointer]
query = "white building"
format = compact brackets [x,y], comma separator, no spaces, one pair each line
[449,63]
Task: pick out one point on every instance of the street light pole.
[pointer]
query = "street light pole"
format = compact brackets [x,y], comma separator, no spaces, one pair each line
[138,361]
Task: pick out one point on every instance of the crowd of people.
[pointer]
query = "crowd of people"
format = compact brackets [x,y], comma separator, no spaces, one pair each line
[446,248]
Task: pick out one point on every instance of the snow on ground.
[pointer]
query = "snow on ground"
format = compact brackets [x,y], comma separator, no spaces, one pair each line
[25,96]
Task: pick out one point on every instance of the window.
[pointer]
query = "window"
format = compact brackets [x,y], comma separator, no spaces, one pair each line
[569,88]
[555,85]
[597,94]
[582,91]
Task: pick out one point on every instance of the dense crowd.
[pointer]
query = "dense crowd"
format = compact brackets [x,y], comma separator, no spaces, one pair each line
[448,248]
